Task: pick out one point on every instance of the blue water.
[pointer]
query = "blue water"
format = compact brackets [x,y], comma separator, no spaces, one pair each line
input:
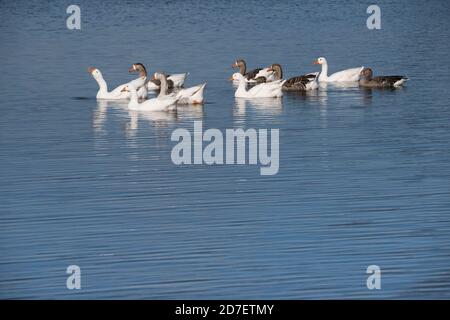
[364,175]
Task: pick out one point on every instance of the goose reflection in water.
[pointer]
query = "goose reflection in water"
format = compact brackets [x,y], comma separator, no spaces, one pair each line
[190,112]
[347,90]
[157,120]
[338,85]
[319,97]
[120,109]
[100,114]
[263,106]
[367,96]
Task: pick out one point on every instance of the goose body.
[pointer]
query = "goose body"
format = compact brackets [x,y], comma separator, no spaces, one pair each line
[166,103]
[262,90]
[347,75]
[192,95]
[367,80]
[305,82]
[299,83]
[140,83]
[163,102]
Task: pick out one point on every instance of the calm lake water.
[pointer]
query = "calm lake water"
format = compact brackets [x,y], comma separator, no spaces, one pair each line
[364,175]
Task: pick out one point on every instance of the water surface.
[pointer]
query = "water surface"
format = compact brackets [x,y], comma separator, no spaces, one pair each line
[364,175]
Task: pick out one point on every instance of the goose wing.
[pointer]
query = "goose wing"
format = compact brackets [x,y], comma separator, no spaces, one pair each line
[178,79]
[388,80]
[300,82]
[263,88]
[346,75]
[252,74]
[185,93]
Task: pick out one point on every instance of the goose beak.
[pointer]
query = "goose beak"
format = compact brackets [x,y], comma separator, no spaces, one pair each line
[316,62]
[91,69]
[269,69]
[231,78]
[131,70]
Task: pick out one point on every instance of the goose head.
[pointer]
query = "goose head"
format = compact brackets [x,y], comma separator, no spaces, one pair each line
[276,68]
[159,76]
[366,74]
[320,60]
[95,72]
[138,67]
[238,63]
[237,77]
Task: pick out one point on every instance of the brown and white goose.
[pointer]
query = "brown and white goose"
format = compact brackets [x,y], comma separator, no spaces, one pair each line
[250,75]
[367,80]
[192,95]
[299,83]
[173,81]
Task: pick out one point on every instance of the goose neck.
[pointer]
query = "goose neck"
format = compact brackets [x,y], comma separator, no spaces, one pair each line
[103,86]
[142,72]
[242,68]
[133,96]
[163,87]
[242,85]
[278,71]
[324,72]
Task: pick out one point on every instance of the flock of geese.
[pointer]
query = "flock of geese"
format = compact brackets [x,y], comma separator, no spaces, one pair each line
[137,90]
[265,82]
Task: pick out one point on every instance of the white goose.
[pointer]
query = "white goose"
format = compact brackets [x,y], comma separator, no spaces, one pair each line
[262,90]
[103,92]
[118,93]
[192,95]
[347,75]
[160,103]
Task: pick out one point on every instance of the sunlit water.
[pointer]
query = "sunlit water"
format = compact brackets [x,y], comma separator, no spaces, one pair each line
[364,175]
